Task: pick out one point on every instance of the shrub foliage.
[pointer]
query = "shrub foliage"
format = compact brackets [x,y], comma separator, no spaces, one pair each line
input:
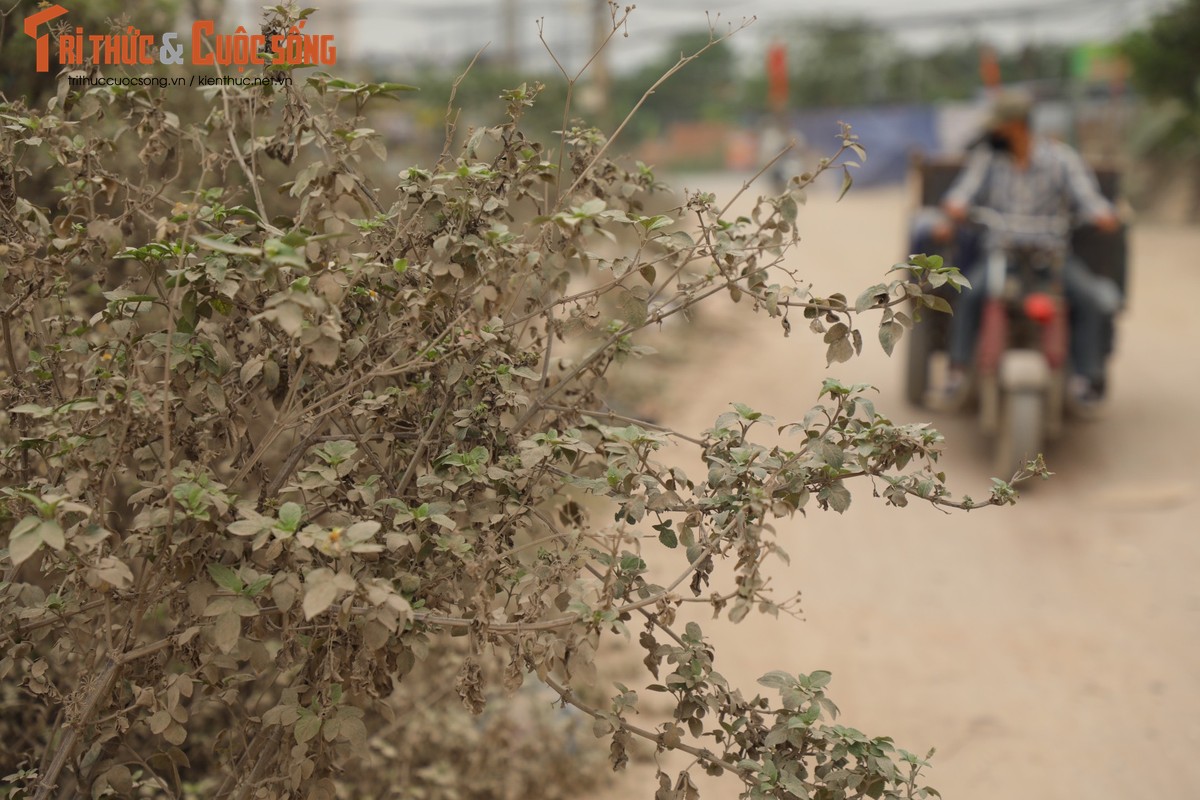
[270,434]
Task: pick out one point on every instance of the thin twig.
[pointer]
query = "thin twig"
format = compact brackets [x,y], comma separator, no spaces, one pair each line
[683,61]
[451,115]
[568,696]
[586,412]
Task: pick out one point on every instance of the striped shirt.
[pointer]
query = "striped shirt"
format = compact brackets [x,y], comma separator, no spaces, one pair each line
[1039,203]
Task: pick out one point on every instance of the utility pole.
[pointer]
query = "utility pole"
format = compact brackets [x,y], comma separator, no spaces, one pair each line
[601,80]
[508,24]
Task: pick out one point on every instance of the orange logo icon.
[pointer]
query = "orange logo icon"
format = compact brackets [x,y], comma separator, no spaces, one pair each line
[43,41]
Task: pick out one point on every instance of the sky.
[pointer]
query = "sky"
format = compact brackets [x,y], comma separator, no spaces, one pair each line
[409,32]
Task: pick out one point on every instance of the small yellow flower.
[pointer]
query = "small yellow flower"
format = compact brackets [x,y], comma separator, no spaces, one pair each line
[373,295]
[106,356]
[335,535]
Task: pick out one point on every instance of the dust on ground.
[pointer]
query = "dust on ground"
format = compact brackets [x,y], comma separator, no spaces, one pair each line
[1048,650]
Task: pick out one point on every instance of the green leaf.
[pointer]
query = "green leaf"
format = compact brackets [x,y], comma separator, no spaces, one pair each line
[631,563]
[290,515]
[256,588]
[389,86]
[655,222]
[937,303]
[225,577]
[847,181]
[294,238]
[746,412]
[810,715]
[833,387]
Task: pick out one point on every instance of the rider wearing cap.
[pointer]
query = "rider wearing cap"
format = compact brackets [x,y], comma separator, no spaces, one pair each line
[1040,186]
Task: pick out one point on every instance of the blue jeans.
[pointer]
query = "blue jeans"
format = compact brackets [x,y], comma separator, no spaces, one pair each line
[1091,299]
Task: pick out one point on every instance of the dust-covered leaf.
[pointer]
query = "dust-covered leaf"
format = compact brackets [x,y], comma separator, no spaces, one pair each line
[226,630]
[889,334]
[307,727]
[319,594]
[24,540]
[112,570]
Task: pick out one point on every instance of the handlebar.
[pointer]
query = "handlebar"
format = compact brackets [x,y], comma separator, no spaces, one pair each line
[990,218]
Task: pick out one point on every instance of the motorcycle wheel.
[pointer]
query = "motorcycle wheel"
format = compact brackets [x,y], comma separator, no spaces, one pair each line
[1021,431]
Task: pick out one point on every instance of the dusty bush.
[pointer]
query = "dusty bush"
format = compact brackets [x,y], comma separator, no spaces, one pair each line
[265,443]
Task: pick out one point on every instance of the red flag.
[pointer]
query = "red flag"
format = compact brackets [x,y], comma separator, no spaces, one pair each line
[989,67]
[777,76]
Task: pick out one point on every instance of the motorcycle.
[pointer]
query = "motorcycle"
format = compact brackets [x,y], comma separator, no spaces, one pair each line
[1022,347]
[1020,369]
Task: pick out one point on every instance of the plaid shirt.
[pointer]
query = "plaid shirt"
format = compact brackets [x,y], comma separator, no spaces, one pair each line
[1038,203]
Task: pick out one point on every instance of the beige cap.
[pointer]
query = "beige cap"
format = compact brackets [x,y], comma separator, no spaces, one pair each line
[1009,105]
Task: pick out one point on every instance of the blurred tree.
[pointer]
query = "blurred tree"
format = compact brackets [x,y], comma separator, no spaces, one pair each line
[1166,56]
[838,63]
[706,89]
[1046,61]
[951,73]
[479,96]
[1165,60]
[832,63]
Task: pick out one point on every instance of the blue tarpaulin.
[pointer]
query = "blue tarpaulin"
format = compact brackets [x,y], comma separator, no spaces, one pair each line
[890,134]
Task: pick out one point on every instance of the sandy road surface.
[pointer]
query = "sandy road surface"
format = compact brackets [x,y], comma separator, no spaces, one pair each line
[1051,650]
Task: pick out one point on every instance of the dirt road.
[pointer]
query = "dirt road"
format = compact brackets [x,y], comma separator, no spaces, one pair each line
[1051,650]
